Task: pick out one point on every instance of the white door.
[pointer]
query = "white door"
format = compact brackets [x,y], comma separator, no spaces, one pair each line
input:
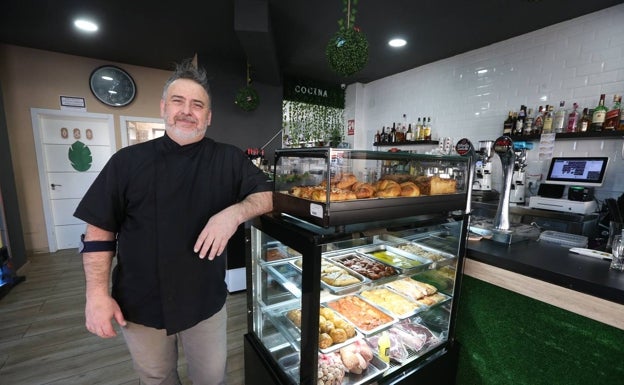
[72,147]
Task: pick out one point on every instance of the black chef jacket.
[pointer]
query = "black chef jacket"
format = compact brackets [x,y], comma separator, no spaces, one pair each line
[157,196]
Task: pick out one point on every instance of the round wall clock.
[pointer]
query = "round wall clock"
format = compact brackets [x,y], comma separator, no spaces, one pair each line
[112,86]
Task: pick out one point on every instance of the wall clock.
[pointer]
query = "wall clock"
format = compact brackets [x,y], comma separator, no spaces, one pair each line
[112,86]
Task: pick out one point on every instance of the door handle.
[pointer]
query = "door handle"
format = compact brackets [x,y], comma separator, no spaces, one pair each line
[55,185]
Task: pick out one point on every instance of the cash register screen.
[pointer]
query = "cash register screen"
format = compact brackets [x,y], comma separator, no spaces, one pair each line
[585,171]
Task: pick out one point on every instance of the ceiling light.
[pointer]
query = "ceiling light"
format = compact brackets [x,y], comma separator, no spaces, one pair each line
[397,42]
[85,25]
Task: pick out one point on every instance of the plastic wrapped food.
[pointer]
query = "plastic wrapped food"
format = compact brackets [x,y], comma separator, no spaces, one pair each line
[415,336]
[398,352]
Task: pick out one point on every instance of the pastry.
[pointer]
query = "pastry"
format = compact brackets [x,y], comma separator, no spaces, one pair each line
[409,189]
[346,181]
[387,189]
[435,185]
[363,190]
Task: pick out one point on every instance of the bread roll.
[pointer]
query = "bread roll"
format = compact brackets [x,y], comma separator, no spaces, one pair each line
[409,189]
[387,189]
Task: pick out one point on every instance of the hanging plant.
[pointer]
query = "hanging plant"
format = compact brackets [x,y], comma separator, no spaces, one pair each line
[247,98]
[347,50]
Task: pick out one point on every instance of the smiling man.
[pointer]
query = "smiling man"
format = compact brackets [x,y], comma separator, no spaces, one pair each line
[167,209]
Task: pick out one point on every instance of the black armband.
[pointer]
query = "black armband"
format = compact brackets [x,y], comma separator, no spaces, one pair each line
[93,246]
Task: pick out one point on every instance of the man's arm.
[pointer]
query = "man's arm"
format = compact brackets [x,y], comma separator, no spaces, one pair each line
[214,237]
[100,308]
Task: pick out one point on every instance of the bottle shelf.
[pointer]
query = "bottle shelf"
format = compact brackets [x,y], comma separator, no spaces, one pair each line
[574,135]
[406,143]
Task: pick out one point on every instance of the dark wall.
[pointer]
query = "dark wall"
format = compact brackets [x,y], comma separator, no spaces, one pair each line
[230,124]
[8,194]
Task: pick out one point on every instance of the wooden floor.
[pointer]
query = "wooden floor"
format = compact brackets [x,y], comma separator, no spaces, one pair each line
[43,339]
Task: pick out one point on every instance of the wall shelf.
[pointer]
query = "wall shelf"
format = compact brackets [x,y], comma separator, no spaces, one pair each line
[410,143]
[574,135]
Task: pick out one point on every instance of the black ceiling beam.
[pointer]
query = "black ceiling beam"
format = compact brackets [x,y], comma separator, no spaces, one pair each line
[253,28]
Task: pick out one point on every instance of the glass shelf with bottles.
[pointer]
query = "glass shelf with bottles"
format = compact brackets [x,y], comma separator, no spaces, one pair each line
[406,143]
[575,135]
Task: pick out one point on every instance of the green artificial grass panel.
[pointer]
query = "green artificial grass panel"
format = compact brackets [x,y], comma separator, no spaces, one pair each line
[507,338]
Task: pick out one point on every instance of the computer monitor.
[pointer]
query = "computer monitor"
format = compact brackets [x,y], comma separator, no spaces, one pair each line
[577,171]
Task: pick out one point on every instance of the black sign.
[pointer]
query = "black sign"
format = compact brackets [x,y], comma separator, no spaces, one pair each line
[312,92]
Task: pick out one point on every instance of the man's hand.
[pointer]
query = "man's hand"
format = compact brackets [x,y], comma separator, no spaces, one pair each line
[99,313]
[214,237]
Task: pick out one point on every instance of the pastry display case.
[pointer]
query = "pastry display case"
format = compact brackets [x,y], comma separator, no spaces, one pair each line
[352,298]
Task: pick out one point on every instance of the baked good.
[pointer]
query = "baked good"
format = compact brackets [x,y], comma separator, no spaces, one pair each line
[387,189]
[360,313]
[390,301]
[335,194]
[409,189]
[345,181]
[363,190]
[434,185]
[412,288]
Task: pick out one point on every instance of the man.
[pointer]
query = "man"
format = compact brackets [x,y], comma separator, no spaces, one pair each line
[168,207]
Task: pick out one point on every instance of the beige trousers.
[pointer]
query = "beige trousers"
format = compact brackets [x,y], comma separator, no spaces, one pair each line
[155,354]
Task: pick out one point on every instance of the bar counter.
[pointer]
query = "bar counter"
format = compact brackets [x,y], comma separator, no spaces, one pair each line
[551,274]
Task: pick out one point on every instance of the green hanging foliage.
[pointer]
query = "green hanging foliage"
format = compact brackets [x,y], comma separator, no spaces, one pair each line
[347,50]
[311,124]
[247,98]
[79,156]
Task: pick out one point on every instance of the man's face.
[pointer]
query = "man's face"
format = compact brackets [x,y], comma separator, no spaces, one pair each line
[186,111]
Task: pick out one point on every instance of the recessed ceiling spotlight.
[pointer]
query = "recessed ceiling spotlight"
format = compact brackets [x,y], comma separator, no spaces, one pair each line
[397,42]
[85,25]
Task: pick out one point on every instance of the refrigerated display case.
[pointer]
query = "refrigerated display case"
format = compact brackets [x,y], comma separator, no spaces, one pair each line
[361,290]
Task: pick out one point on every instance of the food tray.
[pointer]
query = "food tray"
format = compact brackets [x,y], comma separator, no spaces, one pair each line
[362,314]
[287,276]
[423,300]
[425,251]
[333,347]
[383,294]
[278,254]
[365,210]
[374,269]
[376,367]
[332,288]
[406,262]
[442,278]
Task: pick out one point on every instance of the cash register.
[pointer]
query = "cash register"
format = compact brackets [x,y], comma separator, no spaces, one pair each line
[570,184]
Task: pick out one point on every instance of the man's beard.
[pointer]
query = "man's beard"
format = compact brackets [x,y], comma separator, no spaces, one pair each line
[184,134]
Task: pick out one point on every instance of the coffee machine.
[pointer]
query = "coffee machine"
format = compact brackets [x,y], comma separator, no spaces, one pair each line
[518,178]
[482,183]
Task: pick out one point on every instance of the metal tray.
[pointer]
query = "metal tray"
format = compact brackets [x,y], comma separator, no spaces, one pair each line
[287,276]
[376,368]
[358,335]
[390,319]
[341,258]
[416,307]
[365,210]
[442,282]
[440,258]
[406,262]
[339,290]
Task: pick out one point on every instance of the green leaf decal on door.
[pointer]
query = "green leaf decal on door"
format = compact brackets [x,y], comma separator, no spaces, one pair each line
[80,156]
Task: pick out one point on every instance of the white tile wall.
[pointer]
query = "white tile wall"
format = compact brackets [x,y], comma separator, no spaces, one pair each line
[575,61]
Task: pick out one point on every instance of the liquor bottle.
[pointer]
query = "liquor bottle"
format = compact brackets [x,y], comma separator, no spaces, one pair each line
[420,130]
[548,120]
[400,133]
[560,118]
[384,135]
[409,135]
[612,119]
[538,121]
[519,126]
[573,119]
[377,137]
[508,124]
[585,121]
[528,123]
[428,129]
[392,135]
[599,115]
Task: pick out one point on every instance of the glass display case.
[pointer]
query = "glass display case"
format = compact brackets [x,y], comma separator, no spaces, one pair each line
[345,297]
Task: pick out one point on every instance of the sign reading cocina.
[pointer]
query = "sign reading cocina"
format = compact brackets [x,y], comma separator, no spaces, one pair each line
[312,92]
